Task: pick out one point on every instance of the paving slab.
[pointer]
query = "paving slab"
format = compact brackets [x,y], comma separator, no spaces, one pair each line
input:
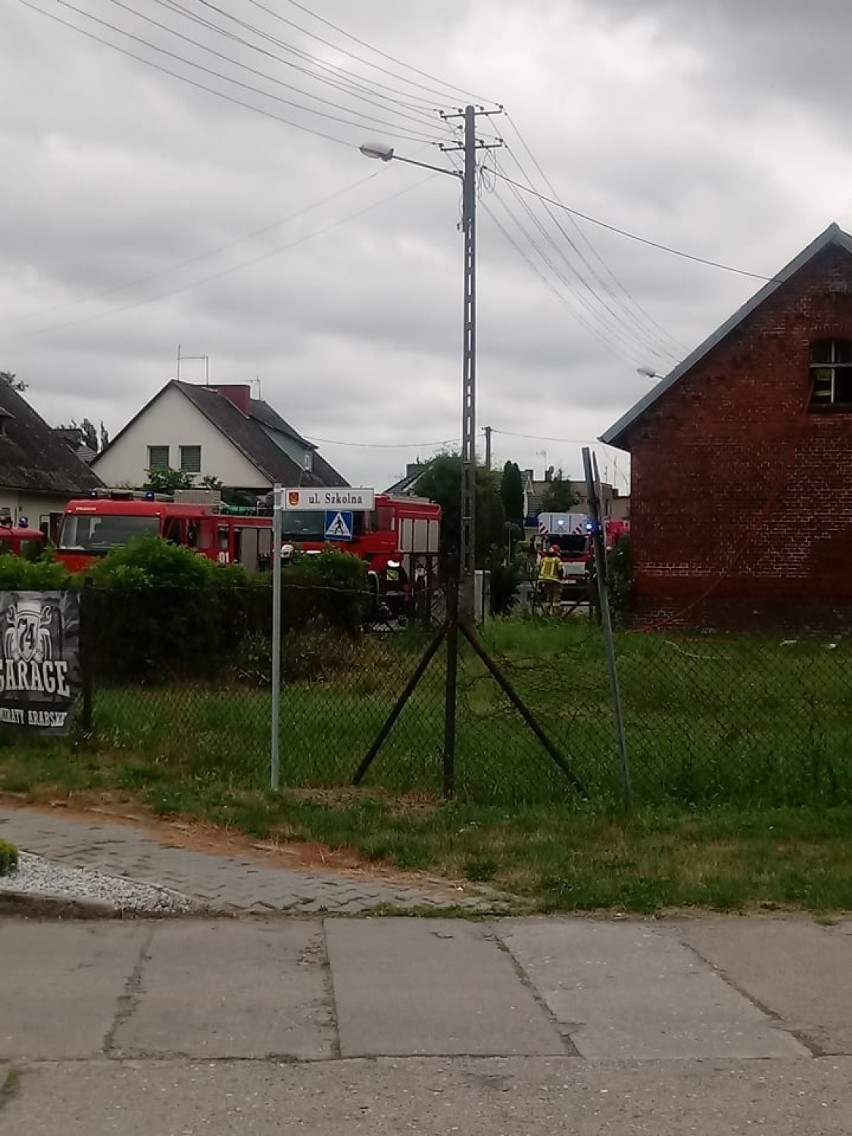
[221,883]
[231,989]
[797,969]
[626,990]
[431,986]
[61,983]
[434,1097]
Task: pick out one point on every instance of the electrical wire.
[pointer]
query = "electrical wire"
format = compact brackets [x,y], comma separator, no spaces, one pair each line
[210,71]
[386,445]
[227,271]
[680,348]
[384,54]
[635,237]
[185,78]
[594,297]
[344,51]
[369,119]
[411,100]
[615,340]
[340,83]
[200,256]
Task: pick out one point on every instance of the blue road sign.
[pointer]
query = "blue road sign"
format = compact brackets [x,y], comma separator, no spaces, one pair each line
[338,525]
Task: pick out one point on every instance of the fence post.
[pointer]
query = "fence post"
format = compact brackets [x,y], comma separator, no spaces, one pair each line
[593,498]
[87,683]
[448,757]
[277,505]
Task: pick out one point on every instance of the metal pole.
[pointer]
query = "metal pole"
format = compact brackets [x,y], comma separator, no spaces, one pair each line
[603,601]
[277,505]
[467,549]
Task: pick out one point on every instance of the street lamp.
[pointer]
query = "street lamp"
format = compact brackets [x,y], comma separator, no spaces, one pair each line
[381,152]
[648,373]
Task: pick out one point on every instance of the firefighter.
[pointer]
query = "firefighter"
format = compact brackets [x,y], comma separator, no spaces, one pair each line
[550,578]
[396,585]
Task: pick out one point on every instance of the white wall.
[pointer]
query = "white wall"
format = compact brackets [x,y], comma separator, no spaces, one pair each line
[173,421]
[33,506]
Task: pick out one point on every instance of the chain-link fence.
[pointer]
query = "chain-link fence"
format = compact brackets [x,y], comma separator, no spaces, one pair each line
[177,686]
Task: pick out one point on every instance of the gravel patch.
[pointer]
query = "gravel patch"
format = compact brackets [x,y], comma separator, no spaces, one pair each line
[39,877]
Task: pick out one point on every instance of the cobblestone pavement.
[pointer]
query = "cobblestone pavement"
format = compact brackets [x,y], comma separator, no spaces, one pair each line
[230,884]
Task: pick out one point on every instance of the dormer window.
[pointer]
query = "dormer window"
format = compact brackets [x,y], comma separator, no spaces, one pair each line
[831,373]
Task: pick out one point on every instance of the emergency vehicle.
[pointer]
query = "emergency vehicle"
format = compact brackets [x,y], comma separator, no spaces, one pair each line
[570,534]
[398,539]
[20,539]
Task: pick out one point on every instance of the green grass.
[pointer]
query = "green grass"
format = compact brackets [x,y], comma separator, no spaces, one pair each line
[739,750]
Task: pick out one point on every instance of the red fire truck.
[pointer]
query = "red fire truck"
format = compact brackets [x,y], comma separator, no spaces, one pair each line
[20,539]
[398,538]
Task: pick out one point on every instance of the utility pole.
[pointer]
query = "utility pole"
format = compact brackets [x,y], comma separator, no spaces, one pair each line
[467,541]
[486,430]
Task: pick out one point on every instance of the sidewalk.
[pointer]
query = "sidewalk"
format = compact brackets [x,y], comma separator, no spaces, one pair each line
[382,1026]
[222,884]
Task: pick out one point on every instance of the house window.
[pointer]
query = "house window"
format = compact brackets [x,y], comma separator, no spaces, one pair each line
[158,457]
[190,459]
[831,372]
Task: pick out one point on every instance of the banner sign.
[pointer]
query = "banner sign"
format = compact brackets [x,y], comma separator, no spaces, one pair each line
[324,499]
[39,659]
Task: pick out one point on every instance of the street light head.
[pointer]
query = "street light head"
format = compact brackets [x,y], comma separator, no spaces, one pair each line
[648,373]
[377,150]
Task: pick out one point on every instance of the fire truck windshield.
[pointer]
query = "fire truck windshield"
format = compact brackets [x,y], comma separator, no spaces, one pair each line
[97,534]
[571,544]
[312,525]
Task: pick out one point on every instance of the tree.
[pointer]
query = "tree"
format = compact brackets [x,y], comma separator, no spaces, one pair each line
[559,497]
[441,482]
[168,480]
[512,492]
[96,438]
[13,381]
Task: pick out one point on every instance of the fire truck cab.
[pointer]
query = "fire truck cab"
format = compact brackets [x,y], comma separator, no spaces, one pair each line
[20,539]
[398,540]
[92,526]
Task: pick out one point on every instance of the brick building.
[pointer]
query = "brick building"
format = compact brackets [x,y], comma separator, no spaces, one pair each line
[741,497]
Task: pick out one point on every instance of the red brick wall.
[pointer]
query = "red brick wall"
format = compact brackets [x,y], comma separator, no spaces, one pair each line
[741,503]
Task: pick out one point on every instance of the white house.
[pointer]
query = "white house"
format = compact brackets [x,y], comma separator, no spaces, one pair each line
[218,431]
[39,471]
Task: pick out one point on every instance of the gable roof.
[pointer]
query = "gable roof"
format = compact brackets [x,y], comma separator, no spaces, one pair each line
[833,235]
[32,457]
[253,435]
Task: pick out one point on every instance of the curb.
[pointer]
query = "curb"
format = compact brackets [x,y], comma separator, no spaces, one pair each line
[42,905]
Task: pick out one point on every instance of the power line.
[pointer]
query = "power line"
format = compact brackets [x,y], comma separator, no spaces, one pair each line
[386,445]
[613,338]
[368,118]
[634,236]
[211,71]
[679,347]
[649,343]
[336,47]
[346,86]
[384,54]
[185,78]
[200,256]
[227,271]
[425,105]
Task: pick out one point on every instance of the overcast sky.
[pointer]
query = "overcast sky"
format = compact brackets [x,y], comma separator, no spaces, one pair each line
[140,212]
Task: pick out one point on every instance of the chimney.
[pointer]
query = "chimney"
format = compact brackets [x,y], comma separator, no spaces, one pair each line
[237,393]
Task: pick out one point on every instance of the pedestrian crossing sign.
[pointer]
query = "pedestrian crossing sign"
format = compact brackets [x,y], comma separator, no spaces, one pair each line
[338,525]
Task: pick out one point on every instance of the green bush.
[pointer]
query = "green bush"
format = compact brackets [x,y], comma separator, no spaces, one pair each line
[153,611]
[8,857]
[43,575]
[619,567]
